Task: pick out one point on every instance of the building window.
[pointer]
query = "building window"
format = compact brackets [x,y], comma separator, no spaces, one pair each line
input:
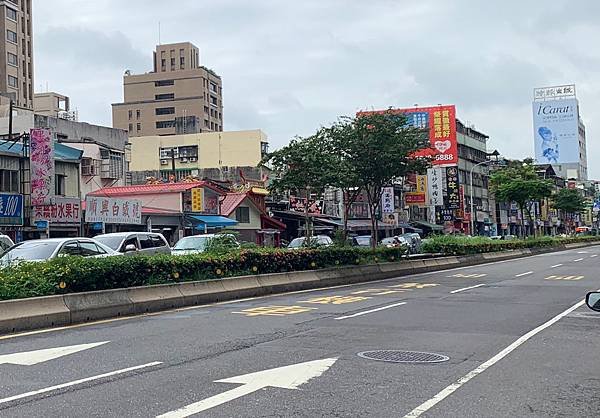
[213,87]
[242,215]
[164,111]
[8,181]
[138,113]
[139,126]
[172,63]
[213,100]
[163,64]
[162,83]
[206,124]
[181,63]
[130,114]
[167,96]
[212,126]
[11,14]
[11,36]
[13,81]
[206,110]
[220,116]
[130,127]
[162,124]
[59,184]
[264,148]
[12,59]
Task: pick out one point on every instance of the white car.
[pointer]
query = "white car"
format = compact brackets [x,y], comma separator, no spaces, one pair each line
[47,249]
[317,240]
[196,244]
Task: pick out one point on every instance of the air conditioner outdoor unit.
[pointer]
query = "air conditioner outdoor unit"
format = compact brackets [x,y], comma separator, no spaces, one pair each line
[193,159]
[87,170]
[184,160]
[164,162]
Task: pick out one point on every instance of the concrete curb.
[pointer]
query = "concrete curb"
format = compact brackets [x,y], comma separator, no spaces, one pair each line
[73,308]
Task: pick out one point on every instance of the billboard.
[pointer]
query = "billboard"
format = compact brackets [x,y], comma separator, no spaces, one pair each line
[42,166]
[441,123]
[113,211]
[387,200]
[435,189]
[63,210]
[556,131]
[11,209]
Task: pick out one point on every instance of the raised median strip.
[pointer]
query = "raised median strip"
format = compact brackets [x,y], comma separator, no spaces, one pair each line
[59,310]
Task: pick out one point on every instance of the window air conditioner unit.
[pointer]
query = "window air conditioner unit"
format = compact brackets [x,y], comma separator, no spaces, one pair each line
[193,159]
[184,160]
[164,162]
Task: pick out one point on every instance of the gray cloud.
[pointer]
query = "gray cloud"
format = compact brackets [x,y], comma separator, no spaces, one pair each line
[290,67]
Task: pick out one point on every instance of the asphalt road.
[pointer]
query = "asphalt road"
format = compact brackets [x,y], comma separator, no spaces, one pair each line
[505,358]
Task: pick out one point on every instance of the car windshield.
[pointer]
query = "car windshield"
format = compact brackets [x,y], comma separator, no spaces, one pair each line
[30,250]
[191,243]
[363,240]
[111,241]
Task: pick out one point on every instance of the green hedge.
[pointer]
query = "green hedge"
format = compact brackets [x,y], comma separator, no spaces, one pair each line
[453,245]
[76,274]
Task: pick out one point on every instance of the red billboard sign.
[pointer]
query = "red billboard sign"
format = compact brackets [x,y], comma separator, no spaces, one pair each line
[414,198]
[441,123]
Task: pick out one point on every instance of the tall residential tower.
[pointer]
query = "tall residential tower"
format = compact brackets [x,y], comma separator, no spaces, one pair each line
[178,97]
[16,52]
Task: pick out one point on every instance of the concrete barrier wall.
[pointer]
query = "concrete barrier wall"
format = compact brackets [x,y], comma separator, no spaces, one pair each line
[52,311]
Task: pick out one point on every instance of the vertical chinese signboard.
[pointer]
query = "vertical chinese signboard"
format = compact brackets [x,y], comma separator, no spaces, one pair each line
[452,187]
[387,200]
[441,123]
[421,184]
[42,166]
[113,211]
[435,190]
[198,199]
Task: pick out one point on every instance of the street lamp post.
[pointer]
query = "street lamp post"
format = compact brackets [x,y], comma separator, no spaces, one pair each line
[472,193]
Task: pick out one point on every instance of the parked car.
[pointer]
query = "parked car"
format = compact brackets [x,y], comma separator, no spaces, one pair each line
[5,243]
[317,241]
[47,249]
[131,243]
[593,301]
[396,241]
[196,244]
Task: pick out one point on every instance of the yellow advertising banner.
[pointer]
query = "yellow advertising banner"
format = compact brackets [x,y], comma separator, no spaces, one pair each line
[421,183]
[198,200]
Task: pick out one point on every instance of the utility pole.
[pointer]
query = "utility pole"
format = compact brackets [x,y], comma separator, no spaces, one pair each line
[10,120]
[173,165]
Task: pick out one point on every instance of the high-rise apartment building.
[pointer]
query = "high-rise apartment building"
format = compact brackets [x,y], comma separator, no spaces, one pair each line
[178,97]
[16,52]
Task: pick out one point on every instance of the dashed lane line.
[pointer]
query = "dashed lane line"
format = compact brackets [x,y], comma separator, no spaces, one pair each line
[527,273]
[371,311]
[555,266]
[578,259]
[467,288]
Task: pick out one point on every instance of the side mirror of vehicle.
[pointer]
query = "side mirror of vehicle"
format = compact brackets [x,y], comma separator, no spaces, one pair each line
[130,248]
[593,301]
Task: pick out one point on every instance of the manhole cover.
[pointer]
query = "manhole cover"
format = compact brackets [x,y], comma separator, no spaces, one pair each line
[397,356]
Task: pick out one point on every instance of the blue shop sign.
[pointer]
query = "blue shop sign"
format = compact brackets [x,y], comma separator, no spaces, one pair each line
[11,209]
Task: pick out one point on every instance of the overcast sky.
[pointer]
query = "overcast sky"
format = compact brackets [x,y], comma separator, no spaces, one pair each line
[289,67]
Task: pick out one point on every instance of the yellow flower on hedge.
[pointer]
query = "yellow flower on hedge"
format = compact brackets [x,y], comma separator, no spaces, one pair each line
[313,264]
[176,275]
[62,285]
[219,272]
[255,269]
[337,262]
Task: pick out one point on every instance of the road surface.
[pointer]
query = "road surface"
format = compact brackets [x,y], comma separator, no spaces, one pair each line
[518,342]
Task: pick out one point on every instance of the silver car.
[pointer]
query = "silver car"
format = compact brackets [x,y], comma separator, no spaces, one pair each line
[46,249]
[131,243]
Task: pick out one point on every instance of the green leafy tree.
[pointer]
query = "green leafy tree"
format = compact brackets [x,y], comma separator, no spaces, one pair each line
[570,202]
[518,182]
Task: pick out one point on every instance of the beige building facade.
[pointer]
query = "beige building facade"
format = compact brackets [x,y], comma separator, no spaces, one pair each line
[178,97]
[52,104]
[212,154]
[16,52]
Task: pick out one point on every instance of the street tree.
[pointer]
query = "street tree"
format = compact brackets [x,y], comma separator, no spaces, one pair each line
[382,148]
[570,202]
[518,182]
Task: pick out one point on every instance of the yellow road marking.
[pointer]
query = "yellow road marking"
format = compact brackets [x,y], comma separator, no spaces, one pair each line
[336,300]
[274,310]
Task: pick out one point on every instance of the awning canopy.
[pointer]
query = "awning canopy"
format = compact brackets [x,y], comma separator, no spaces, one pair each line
[429,225]
[211,221]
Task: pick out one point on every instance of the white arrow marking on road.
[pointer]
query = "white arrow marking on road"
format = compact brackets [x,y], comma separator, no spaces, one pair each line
[288,377]
[30,358]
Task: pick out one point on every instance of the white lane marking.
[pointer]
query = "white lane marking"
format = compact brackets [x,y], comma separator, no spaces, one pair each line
[578,259]
[29,358]
[582,252]
[77,382]
[427,405]
[594,255]
[467,288]
[555,266]
[371,311]
[287,377]
[524,274]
